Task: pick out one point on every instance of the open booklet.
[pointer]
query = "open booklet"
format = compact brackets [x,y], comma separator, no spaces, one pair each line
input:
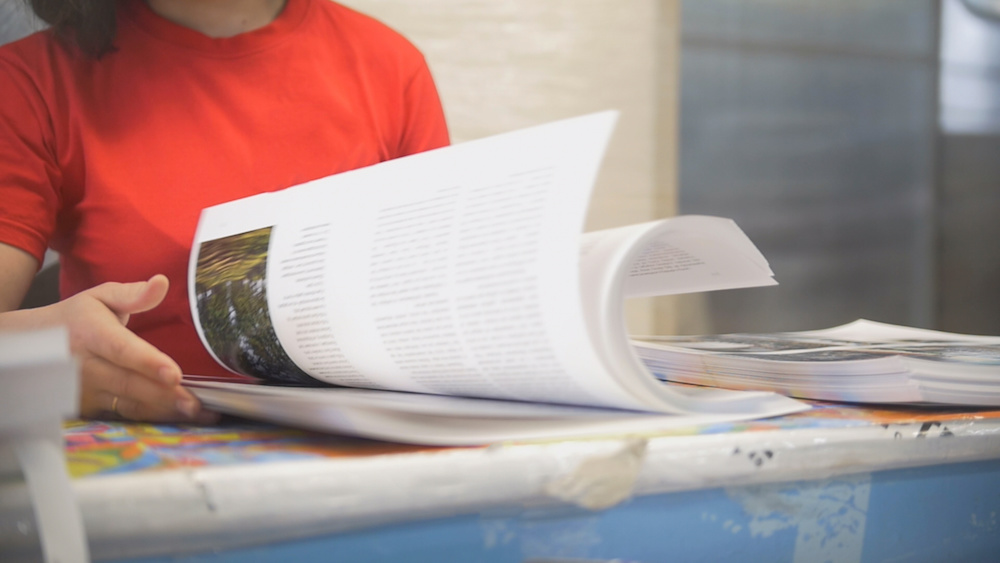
[864,362]
[456,272]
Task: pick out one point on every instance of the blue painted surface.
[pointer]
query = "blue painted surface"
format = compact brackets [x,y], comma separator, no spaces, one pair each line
[940,513]
[951,514]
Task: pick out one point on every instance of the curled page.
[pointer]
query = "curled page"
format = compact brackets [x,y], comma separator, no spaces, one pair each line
[669,256]
[451,272]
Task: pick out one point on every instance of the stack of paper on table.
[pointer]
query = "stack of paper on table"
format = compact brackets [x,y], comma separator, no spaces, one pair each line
[864,361]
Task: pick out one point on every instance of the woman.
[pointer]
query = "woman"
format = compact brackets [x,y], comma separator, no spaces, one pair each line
[123,121]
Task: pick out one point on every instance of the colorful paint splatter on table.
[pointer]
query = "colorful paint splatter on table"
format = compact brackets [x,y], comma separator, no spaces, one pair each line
[100,447]
[94,447]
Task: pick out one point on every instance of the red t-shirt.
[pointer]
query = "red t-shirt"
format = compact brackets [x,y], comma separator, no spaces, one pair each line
[109,161]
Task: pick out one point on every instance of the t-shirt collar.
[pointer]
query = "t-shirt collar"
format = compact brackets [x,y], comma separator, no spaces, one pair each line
[291,16]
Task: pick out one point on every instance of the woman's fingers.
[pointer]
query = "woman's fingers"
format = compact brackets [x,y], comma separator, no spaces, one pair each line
[118,345]
[109,388]
[106,308]
[131,409]
[125,299]
[136,410]
[120,372]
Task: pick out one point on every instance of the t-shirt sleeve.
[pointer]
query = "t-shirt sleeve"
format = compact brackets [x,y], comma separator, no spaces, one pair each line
[424,126]
[29,175]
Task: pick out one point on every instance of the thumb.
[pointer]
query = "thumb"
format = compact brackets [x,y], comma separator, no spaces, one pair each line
[124,299]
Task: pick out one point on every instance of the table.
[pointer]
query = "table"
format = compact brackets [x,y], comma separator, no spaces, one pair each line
[837,483]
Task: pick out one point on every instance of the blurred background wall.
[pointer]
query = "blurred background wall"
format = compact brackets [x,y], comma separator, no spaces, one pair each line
[857,142]
[15,20]
[968,211]
[813,124]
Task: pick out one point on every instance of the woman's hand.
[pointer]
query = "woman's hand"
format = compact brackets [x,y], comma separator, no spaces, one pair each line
[121,374]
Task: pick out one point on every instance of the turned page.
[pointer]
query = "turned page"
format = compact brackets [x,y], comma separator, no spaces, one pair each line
[454,271]
[676,255]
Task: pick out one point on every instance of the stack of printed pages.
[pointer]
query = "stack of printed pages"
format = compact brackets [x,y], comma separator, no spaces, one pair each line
[864,362]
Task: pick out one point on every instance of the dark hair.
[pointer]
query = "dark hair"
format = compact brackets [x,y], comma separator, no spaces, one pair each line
[90,25]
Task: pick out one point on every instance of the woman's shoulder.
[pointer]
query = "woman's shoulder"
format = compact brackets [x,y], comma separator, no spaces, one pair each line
[28,67]
[32,56]
[28,47]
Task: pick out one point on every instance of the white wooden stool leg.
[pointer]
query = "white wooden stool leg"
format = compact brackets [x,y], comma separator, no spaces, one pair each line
[60,525]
